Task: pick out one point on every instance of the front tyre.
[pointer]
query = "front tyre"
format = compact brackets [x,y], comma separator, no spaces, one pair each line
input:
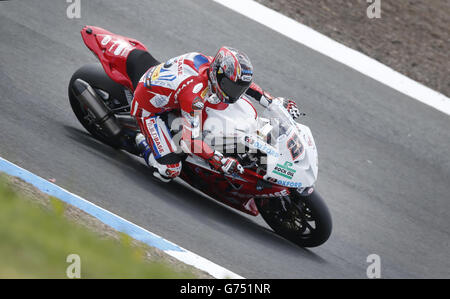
[303,219]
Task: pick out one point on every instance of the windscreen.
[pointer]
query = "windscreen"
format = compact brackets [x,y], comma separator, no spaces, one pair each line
[275,123]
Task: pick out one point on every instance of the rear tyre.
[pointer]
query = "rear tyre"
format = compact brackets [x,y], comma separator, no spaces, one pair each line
[97,78]
[302,219]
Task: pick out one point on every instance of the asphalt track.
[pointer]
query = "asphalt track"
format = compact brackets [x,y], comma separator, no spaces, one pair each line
[384,158]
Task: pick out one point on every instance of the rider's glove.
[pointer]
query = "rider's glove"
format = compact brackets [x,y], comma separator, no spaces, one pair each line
[225,164]
[291,107]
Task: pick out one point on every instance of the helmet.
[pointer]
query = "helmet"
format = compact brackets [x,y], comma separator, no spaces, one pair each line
[231,74]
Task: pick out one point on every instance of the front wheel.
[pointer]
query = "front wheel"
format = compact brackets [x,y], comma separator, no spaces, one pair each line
[303,219]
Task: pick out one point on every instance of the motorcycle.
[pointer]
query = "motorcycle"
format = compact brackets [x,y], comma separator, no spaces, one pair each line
[279,155]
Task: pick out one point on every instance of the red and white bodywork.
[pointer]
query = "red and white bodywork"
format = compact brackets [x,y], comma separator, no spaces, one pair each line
[289,148]
[112,51]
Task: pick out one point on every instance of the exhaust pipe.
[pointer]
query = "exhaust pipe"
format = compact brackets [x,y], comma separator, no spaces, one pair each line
[87,96]
[127,121]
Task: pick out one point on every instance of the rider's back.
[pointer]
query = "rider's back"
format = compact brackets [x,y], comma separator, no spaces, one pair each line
[174,84]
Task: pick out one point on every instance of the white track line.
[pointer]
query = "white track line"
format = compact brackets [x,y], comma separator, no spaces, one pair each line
[117,222]
[324,45]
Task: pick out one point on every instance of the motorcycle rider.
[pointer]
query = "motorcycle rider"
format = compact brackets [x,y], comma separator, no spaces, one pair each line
[190,83]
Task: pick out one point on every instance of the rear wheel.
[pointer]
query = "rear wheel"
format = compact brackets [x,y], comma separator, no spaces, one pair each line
[112,92]
[303,219]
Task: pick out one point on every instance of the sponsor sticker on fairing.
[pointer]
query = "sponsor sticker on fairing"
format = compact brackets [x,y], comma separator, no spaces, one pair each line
[284,170]
[262,146]
[284,183]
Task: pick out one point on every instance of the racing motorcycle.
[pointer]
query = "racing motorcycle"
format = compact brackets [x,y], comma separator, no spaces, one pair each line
[278,155]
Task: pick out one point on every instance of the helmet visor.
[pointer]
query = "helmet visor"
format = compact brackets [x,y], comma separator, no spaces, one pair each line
[233,90]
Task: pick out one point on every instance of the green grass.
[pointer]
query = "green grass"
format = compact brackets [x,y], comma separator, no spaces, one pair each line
[35,243]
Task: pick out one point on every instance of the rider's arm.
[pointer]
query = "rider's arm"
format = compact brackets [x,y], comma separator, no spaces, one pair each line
[192,105]
[265,99]
[259,95]
[191,100]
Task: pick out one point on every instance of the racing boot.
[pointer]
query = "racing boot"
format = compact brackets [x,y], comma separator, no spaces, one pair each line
[161,172]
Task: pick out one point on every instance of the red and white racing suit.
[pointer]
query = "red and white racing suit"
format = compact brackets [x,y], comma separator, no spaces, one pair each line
[182,84]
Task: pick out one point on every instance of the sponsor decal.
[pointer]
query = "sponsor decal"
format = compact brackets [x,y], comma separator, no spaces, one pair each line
[167,76]
[197,104]
[284,183]
[117,47]
[159,101]
[284,170]
[295,146]
[148,76]
[155,136]
[264,148]
[106,39]
[156,75]
[246,78]
[197,88]
[123,49]
[156,72]
[180,66]
[261,146]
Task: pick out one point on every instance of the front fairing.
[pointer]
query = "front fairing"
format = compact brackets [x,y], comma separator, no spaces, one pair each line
[295,162]
[290,152]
